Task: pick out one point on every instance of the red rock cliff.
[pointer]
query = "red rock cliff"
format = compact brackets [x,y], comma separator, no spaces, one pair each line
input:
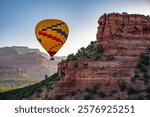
[123,26]
[123,36]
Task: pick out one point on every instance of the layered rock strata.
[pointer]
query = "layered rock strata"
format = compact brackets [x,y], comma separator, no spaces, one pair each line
[122,36]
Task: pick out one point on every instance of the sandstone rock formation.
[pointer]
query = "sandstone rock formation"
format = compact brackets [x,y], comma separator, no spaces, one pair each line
[116,25]
[122,36]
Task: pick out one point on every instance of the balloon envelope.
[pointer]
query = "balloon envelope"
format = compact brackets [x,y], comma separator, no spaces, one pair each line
[51,34]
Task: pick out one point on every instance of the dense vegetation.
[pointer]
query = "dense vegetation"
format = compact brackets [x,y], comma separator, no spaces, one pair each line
[90,52]
[91,93]
[26,92]
[142,74]
[143,69]
[139,88]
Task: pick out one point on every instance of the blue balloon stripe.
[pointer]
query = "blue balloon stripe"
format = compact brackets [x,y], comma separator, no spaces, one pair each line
[61,32]
[53,27]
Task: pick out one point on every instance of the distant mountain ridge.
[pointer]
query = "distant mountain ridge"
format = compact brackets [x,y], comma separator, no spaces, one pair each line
[14,50]
[32,62]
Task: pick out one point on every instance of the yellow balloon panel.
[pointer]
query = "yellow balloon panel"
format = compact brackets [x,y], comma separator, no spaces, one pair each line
[52,34]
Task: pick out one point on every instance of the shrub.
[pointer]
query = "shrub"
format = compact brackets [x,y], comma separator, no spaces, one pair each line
[132,90]
[88,97]
[118,98]
[47,97]
[147,97]
[85,66]
[88,90]
[73,93]
[93,91]
[110,58]
[39,90]
[62,74]
[124,13]
[102,94]
[142,68]
[122,86]
[99,49]
[145,59]
[76,65]
[71,57]
[49,87]
[46,76]
[135,97]
[92,42]
[134,78]
[147,90]
[146,78]
[79,90]
[96,87]
[58,97]
[113,91]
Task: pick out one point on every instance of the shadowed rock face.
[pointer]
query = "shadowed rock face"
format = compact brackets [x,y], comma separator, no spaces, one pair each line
[124,37]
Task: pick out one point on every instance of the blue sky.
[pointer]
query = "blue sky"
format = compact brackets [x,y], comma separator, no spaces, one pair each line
[18,19]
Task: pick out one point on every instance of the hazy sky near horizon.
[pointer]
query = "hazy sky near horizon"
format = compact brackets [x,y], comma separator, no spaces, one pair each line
[18,19]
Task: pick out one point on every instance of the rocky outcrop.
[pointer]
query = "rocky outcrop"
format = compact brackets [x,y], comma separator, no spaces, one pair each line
[122,36]
[116,25]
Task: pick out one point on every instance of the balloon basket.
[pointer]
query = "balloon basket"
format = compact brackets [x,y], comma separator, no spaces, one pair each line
[52,58]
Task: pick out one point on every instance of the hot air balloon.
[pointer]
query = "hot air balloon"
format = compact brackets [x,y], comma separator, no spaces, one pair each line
[51,34]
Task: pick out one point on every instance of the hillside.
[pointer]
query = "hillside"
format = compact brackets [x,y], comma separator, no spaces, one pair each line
[32,92]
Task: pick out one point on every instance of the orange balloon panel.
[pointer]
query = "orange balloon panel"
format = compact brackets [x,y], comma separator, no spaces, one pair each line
[52,34]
